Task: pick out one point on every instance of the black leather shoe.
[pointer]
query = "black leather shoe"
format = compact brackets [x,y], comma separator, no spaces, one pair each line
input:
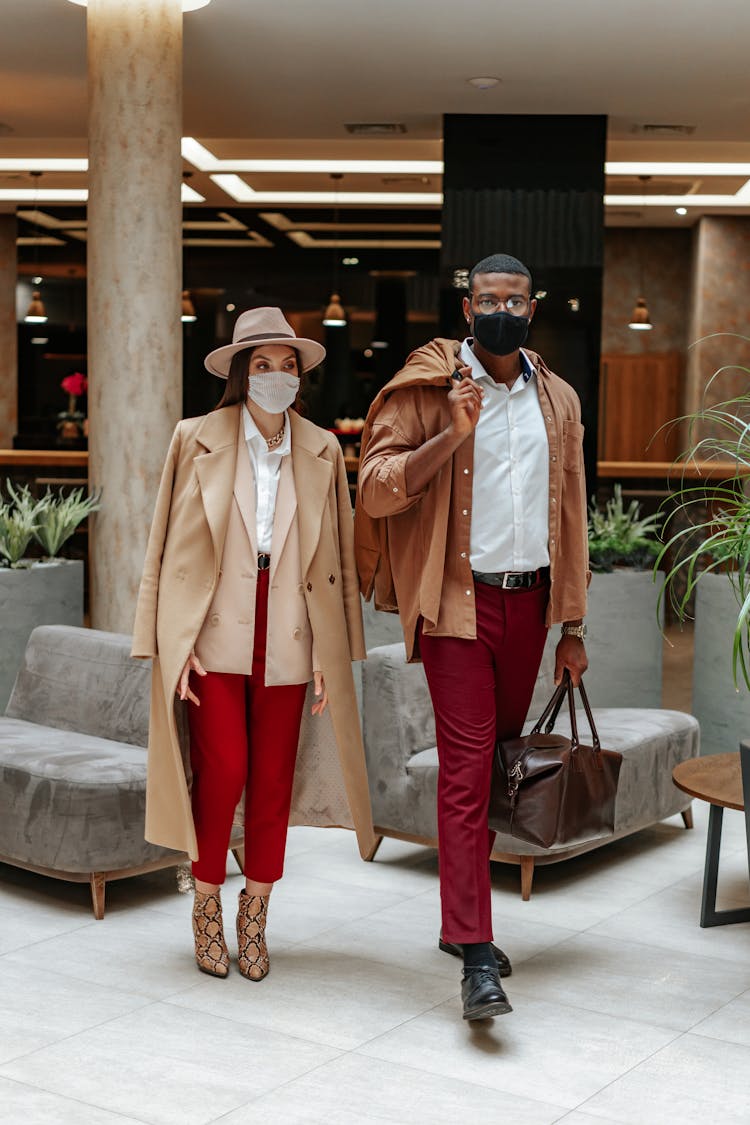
[483,994]
[504,966]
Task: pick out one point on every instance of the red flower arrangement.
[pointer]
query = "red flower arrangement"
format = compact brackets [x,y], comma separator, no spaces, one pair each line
[75,384]
[71,422]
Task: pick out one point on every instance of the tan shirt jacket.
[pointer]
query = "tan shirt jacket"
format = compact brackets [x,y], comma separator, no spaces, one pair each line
[413,551]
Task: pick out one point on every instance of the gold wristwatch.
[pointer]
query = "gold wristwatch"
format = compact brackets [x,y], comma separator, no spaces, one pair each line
[573,631]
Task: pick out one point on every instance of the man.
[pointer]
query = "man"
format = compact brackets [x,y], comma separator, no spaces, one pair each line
[471,523]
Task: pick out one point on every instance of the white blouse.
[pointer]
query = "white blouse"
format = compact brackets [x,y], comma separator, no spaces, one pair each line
[266,466]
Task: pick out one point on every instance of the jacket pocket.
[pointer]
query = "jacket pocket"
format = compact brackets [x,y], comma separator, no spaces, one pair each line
[572,446]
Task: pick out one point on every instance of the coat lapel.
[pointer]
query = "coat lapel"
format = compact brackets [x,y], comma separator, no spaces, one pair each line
[312,481]
[244,490]
[216,471]
[286,506]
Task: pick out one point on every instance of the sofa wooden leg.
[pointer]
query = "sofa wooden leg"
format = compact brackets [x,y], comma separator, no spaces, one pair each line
[373,850]
[98,889]
[239,857]
[527,876]
[687,817]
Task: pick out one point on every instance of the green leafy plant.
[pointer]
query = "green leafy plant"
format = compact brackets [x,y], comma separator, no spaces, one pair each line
[50,520]
[58,517]
[618,536]
[710,522]
[19,520]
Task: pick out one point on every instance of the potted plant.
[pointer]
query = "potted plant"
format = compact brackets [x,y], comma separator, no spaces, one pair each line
[708,542]
[624,641]
[37,591]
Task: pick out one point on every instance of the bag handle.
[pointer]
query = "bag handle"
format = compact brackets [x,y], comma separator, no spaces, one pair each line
[587,708]
[552,709]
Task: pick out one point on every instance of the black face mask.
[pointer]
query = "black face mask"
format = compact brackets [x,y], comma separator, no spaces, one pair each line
[500,333]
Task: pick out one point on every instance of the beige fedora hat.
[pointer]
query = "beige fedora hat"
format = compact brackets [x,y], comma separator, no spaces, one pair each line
[263,326]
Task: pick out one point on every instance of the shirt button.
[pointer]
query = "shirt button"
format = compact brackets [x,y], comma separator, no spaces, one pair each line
[309,586]
[553,457]
[297,633]
[554,499]
[331,579]
[394,488]
[215,619]
[549,417]
[463,554]
[466,472]
[468,593]
[465,512]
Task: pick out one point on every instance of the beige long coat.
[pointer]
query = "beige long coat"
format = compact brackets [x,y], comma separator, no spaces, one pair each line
[181,577]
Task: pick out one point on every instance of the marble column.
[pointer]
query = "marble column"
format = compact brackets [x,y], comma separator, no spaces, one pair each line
[134,282]
[8,332]
[719,324]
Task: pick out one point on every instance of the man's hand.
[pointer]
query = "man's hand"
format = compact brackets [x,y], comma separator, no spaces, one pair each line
[465,402]
[571,654]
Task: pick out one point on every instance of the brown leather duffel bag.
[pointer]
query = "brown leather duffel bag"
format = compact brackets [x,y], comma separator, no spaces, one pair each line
[548,789]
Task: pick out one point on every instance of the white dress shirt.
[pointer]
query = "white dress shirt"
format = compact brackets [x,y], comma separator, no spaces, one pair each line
[510,493]
[266,469]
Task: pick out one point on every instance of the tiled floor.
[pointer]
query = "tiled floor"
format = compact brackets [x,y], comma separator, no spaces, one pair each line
[624,1009]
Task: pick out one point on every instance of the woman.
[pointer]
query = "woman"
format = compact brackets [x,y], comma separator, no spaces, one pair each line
[249,592]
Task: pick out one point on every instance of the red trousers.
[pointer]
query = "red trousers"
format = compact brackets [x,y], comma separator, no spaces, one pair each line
[481,691]
[244,735]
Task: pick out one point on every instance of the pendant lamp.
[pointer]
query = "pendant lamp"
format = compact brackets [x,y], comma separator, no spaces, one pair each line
[189,315]
[36,314]
[335,315]
[640,319]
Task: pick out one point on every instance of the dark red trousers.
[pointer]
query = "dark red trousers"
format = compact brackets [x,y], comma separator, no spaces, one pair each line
[481,691]
[244,735]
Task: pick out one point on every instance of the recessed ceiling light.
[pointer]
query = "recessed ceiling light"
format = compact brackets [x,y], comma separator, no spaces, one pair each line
[242,192]
[540,294]
[231,307]
[484,83]
[350,261]
[36,280]
[681,210]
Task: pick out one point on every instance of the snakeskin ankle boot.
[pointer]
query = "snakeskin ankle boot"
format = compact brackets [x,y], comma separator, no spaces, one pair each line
[251,936]
[211,953]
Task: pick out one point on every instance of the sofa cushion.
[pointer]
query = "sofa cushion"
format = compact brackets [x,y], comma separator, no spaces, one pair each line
[652,743]
[83,680]
[78,801]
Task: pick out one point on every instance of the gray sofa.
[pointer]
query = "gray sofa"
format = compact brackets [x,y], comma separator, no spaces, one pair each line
[402,765]
[73,761]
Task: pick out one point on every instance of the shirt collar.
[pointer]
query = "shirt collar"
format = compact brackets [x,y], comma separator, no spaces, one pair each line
[253,434]
[477,369]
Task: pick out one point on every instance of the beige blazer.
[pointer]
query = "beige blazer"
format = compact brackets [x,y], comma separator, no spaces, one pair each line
[225,642]
[181,582]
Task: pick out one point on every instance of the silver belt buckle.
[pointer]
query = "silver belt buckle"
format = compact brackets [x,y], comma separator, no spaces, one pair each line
[508,585]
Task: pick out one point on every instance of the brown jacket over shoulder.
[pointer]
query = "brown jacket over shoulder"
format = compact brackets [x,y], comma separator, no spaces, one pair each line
[181,586]
[413,551]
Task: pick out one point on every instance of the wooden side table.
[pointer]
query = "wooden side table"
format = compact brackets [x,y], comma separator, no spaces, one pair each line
[724,781]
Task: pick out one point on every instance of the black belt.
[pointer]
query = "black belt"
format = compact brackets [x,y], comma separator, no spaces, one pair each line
[264,562]
[511,579]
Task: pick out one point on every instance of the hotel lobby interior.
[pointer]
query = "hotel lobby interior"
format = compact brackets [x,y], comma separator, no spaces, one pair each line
[166,165]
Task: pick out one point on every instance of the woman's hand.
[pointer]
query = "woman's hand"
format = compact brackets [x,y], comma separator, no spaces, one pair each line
[193,664]
[320,689]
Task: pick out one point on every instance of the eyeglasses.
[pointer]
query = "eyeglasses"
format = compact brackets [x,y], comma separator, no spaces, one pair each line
[516,306]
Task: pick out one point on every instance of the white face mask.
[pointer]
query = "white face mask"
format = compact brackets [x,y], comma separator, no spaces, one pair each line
[273,391]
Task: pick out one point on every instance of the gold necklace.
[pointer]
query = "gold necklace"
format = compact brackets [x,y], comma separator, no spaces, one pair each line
[277,439]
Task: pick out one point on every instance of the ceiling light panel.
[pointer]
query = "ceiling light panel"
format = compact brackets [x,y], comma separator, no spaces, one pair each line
[242,192]
[709,201]
[42,164]
[43,195]
[674,168]
[281,222]
[303,239]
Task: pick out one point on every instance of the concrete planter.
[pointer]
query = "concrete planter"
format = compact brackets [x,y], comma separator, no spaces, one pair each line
[722,710]
[44,593]
[624,641]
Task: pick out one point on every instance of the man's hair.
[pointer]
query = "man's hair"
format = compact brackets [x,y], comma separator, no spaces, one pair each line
[499,263]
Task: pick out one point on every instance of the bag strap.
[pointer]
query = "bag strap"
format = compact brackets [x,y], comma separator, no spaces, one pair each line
[552,708]
[587,708]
